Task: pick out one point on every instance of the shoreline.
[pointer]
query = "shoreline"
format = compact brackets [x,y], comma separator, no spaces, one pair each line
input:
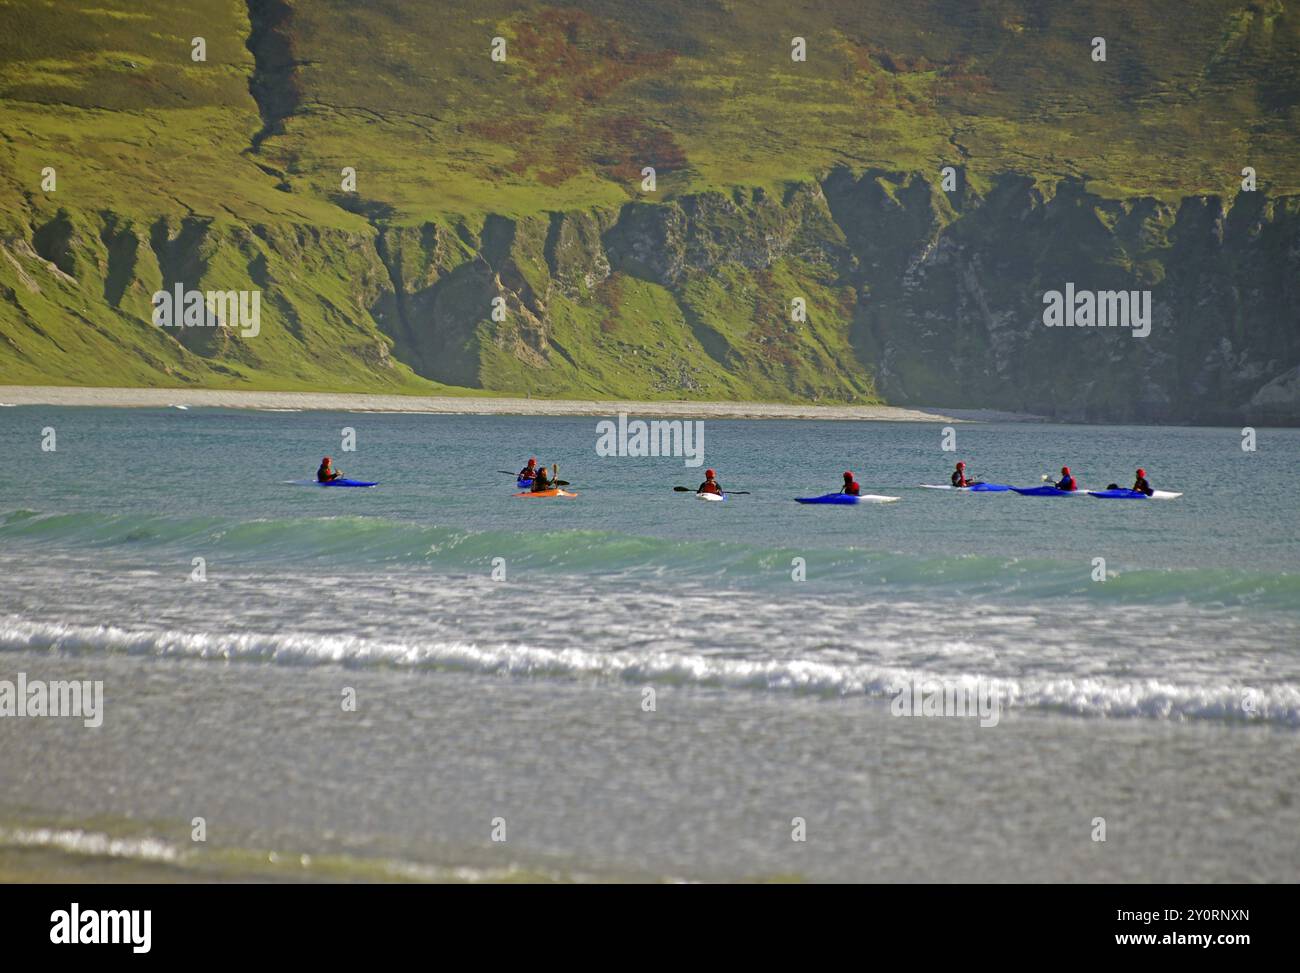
[146,398]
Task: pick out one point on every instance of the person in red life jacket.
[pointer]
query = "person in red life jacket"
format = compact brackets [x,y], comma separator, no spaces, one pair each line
[1140,485]
[542,482]
[850,485]
[529,471]
[326,473]
[1067,482]
[959,476]
[710,485]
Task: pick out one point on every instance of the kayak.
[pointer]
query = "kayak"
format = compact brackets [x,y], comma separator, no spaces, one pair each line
[976,488]
[342,482]
[1133,495]
[845,499]
[524,482]
[547,493]
[1048,491]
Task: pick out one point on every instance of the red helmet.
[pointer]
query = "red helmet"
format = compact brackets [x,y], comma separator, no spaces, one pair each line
[1065,471]
[325,460]
[961,466]
[848,474]
[708,474]
[532,461]
[1142,472]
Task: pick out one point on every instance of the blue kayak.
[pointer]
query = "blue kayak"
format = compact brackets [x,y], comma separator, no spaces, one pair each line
[1134,495]
[974,488]
[1048,491]
[523,482]
[341,482]
[845,499]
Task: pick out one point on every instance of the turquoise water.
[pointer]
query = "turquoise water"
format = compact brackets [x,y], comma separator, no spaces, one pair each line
[206,476]
[440,576]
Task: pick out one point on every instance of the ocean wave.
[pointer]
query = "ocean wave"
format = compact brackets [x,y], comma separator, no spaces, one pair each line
[1088,696]
[368,541]
[97,844]
[236,863]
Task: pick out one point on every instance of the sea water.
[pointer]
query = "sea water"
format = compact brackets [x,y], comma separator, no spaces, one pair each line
[435,680]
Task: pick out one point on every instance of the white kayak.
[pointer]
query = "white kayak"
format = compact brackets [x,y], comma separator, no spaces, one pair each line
[711,496]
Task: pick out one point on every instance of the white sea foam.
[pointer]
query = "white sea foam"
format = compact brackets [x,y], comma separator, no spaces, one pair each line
[91,843]
[1084,695]
[153,850]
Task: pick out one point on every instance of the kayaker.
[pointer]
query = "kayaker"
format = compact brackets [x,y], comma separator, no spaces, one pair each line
[1140,484]
[959,476]
[850,485]
[542,482]
[710,484]
[326,473]
[1067,482]
[529,471]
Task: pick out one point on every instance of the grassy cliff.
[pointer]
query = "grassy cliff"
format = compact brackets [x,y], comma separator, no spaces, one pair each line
[519,181]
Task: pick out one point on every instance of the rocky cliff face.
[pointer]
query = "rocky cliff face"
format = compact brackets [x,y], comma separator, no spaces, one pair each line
[919,296]
[950,308]
[940,296]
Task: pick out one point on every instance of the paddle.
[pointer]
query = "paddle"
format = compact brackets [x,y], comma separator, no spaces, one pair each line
[1048,478]
[738,493]
[555,472]
[558,483]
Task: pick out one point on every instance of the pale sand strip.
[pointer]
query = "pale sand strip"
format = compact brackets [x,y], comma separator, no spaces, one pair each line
[474,405]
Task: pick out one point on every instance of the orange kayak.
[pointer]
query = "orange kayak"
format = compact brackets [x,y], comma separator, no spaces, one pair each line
[547,493]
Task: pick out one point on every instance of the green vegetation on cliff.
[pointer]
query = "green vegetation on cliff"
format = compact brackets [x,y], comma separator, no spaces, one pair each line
[520,181]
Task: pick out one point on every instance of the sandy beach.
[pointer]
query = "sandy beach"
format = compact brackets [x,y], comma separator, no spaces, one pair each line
[15,395]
